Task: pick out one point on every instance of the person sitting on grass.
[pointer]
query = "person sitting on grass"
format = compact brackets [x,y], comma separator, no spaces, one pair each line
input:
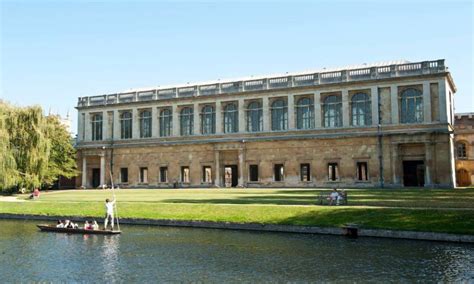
[333,196]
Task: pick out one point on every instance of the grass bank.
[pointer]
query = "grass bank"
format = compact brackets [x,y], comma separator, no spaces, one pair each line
[447,211]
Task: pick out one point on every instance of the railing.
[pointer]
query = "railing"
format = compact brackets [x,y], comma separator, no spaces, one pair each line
[311,79]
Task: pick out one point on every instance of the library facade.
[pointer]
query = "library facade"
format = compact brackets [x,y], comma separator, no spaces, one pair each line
[380,125]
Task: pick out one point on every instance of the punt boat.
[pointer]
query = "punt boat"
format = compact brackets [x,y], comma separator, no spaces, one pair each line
[51,228]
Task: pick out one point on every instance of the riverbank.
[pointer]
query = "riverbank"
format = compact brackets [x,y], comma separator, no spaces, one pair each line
[416,210]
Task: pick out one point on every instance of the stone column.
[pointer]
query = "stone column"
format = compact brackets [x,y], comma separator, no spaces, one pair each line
[116,126]
[374,97]
[197,120]
[394,102]
[291,112]
[317,110]
[395,165]
[175,122]
[345,108]
[241,167]
[102,170]
[266,114]
[105,125]
[426,102]
[219,124]
[428,164]
[242,115]
[443,99]
[80,125]
[217,179]
[154,122]
[135,124]
[87,127]
[84,171]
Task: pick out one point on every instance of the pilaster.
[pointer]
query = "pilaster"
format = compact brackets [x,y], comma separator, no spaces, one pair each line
[266,114]
[394,103]
[426,102]
[219,124]
[317,109]
[291,112]
[374,97]
[345,108]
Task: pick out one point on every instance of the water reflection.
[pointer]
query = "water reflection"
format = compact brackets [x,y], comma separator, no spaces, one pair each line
[157,254]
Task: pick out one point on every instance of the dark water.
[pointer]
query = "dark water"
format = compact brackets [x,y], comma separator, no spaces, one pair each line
[161,254]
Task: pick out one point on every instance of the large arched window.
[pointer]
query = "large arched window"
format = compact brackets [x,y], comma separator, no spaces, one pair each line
[97,127]
[186,121]
[145,124]
[166,122]
[361,110]
[461,150]
[305,113]
[332,111]
[279,115]
[411,106]
[208,120]
[254,117]
[126,125]
[231,118]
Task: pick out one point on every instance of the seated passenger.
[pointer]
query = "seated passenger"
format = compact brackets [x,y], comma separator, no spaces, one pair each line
[87,225]
[95,226]
[60,224]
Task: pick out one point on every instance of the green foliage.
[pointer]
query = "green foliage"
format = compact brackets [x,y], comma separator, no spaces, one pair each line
[35,149]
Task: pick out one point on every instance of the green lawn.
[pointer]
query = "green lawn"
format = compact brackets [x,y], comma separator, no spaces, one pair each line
[449,211]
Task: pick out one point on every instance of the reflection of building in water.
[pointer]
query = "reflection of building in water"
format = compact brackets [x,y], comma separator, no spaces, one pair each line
[464,137]
[370,125]
[109,253]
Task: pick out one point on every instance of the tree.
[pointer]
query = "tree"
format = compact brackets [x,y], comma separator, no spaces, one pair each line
[8,172]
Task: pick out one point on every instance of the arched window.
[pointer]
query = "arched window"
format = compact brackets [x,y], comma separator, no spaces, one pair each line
[361,110]
[332,111]
[187,121]
[411,106]
[279,115]
[461,150]
[231,118]
[254,117]
[166,122]
[96,127]
[305,113]
[126,125]
[145,124]
[208,120]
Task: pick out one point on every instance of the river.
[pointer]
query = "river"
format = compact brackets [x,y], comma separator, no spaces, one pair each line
[166,254]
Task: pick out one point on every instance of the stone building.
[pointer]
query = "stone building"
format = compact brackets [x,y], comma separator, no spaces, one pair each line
[464,137]
[374,125]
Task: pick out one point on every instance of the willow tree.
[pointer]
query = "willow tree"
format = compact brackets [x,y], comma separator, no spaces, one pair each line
[8,173]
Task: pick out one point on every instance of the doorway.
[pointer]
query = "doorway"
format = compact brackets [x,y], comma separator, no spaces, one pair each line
[414,173]
[463,178]
[231,176]
[95,178]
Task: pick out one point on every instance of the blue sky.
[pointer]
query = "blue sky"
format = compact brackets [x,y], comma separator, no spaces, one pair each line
[52,52]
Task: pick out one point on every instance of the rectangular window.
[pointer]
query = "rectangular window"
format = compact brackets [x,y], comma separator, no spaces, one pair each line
[185,174]
[305,172]
[207,174]
[163,174]
[143,175]
[362,171]
[333,172]
[124,175]
[279,173]
[253,172]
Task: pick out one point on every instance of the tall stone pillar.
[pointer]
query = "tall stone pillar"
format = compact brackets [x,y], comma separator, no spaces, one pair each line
[242,115]
[345,108]
[80,126]
[266,115]
[426,102]
[394,103]
[217,180]
[428,164]
[196,118]
[317,110]
[443,99]
[84,171]
[105,125]
[219,123]
[102,170]
[116,125]
[395,164]
[241,167]
[175,122]
[291,112]
[374,97]
[154,122]
[87,127]
[135,124]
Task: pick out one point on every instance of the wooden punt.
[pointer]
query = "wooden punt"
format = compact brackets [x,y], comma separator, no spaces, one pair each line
[50,228]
